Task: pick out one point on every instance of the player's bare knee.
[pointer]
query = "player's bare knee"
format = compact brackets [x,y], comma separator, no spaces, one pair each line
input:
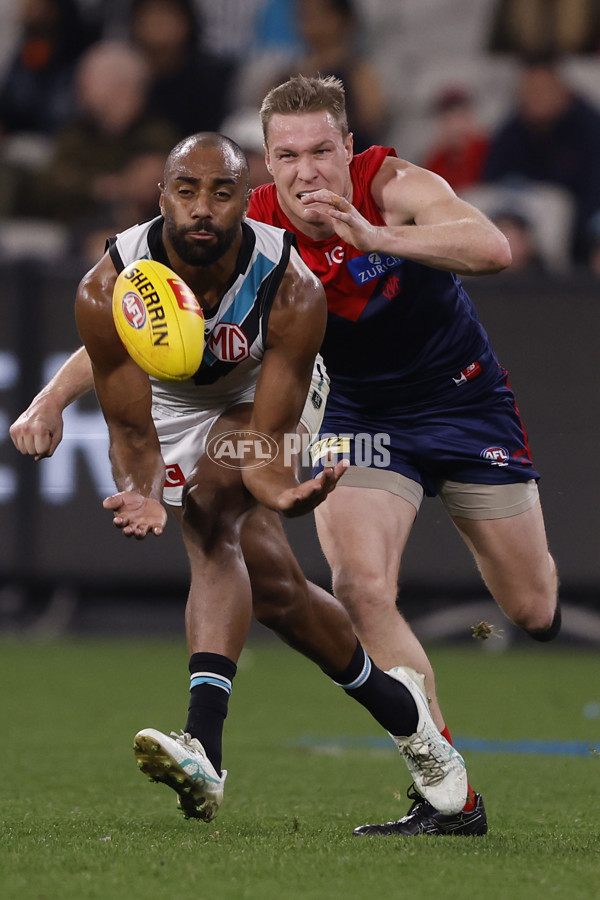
[550,628]
[536,609]
[194,506]
[210,516]
[537,615]
[533,619]
[363,593]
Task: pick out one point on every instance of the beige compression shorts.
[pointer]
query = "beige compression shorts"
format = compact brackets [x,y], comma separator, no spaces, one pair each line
[468,501]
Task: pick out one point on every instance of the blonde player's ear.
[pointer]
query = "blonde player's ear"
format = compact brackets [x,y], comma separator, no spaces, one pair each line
[268,160]
[349,147]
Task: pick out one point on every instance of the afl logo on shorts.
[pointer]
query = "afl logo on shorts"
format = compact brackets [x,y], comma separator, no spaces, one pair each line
[229,343]
[134,310]
[497,456]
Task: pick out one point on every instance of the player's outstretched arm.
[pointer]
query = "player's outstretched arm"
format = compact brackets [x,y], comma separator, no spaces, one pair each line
[38,430]
[296,328]
[124,394]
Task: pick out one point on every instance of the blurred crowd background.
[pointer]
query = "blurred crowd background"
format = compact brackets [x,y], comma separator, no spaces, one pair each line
[501,97]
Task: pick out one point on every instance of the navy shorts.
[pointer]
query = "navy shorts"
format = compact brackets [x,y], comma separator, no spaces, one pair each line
[473,435]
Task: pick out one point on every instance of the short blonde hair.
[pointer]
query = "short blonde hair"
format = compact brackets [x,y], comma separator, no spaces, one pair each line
[303,95]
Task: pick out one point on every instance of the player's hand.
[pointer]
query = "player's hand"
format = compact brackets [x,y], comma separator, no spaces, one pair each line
[136,515]
[349,224]
[38,431]
[306,496]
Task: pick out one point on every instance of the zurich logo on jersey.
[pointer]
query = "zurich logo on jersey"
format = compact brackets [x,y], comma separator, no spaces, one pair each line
[372,265]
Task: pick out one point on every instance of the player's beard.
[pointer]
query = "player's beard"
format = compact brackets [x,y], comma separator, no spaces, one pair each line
[197,254]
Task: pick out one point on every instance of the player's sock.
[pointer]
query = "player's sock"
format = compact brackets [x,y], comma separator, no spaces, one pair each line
[471,795]
[388,701]
[549,634]
[211,677]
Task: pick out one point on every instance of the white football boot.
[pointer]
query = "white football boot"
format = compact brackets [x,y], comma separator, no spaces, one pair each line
[180,762]
[438,770]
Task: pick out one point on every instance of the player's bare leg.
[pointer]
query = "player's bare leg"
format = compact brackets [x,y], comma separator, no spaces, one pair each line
[365,563]
[302,614]
[218,616]
[215,503]
[513,558]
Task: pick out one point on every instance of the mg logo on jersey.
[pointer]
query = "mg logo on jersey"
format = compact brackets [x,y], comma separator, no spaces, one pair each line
[497,456]
[134,310]
[229,343]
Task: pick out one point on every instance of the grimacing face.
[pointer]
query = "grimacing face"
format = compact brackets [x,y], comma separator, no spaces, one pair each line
[203,201]
[307,152]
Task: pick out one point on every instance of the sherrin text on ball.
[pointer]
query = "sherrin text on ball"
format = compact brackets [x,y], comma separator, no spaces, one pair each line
[159,319]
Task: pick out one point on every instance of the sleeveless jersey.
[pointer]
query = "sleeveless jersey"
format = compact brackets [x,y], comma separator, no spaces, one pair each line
[398,332]
[235,329]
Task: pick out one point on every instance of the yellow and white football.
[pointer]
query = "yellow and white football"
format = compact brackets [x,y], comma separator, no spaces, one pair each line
[159,320]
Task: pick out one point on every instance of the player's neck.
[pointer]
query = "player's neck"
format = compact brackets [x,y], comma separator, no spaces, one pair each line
[210,283]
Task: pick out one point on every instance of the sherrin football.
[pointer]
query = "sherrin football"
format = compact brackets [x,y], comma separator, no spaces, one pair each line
[159,320]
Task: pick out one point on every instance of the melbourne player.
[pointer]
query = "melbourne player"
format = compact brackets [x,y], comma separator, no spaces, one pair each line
[409,359]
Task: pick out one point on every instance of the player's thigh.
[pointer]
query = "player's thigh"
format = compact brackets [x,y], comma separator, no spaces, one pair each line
[512,554]
[214,490]
[363,532]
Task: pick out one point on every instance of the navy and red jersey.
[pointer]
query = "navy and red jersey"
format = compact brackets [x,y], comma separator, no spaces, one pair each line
[399,332]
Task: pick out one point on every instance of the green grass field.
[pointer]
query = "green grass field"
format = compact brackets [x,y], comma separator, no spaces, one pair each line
[80,822]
